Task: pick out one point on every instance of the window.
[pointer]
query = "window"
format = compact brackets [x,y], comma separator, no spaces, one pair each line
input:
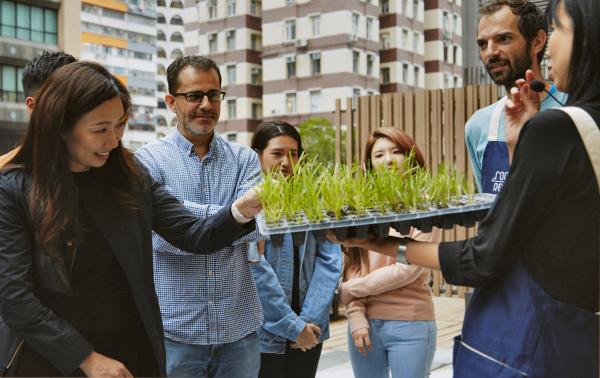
[256,75]
[370,63]
[445,22]
[355,18]
[416,39]
[255,42]
[385,40]
[23,21]
[290,103]
[369,28]
[160,19]
[175,54]
[290,64]
[11,89]
[446,47]
[176,20]
[160,86]
[456,80]
[404,7]
[160,36]
[315,101]
[405,38]
[161,70]
[176,37]
[446,81]
[315,63]
[290,30]
[405,73]
[455,26]
[160,52]
[231,75]
[212,43]
[256,110]
[161,121]
[385,6]
[176,4]
[232,137]
[230,7]
[455,54]
[212,9]
[315,25]
[231,109]
[385,75]
[161,3]
[355,57]
[415,8]
[230,37]
[254,7]
[416,76]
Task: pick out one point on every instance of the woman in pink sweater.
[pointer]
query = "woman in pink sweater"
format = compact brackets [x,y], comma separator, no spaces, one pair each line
[388,303]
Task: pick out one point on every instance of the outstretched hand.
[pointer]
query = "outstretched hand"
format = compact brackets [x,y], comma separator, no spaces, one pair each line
[98,365]
[523,104]
[249,204]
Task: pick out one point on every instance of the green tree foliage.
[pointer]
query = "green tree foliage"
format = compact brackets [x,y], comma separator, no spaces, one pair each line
[318,139]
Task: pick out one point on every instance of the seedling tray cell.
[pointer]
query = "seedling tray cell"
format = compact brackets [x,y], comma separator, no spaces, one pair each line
[463,211]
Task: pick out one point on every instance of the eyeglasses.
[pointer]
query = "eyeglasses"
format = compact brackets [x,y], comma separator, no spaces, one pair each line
[197,96]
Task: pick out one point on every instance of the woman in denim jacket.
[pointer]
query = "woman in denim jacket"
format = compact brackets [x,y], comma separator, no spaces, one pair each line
[295,283]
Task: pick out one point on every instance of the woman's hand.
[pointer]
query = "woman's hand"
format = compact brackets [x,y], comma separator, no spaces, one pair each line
[249,205]
[98,365]
[362,341]
[523,104]
[308,338]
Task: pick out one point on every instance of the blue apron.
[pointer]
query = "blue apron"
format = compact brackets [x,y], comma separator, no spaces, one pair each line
[495,162]
[513,328]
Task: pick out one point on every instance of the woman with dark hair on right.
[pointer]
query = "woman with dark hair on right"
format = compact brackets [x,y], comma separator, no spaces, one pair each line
[391,320]
[535,259]
[76,218]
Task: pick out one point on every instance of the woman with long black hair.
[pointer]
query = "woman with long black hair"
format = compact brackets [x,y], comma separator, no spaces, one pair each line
[535,259]
[76,216]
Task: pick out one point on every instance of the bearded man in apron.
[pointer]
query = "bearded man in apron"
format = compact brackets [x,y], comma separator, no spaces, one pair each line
[512,39]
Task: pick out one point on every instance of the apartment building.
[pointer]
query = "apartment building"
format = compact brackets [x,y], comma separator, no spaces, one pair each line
[315,52]
[121,35]
[170,45]
[26,29]
[230,33]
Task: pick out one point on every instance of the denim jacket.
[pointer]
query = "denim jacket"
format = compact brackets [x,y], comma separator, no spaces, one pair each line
[321,266]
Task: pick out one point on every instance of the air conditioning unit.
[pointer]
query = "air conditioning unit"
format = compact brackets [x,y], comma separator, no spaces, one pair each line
[301,43]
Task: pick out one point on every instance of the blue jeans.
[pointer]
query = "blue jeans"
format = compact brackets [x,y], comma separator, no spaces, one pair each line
[403,347]
[240,359]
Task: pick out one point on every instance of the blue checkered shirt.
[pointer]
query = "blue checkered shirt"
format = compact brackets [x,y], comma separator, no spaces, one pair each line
[204,299]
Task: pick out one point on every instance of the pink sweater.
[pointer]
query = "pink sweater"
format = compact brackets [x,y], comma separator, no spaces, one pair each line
[388,290]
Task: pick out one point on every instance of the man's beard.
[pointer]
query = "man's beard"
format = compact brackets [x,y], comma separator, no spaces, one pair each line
[514,71]
[198,130]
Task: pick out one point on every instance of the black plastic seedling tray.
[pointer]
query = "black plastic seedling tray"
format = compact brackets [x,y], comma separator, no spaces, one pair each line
[466,212]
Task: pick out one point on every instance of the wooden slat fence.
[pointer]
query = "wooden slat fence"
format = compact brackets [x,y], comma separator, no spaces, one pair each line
[434,118]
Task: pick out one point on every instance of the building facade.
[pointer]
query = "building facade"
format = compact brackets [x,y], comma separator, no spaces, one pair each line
[121,35]
[170,45]
[230,33]
[26,29]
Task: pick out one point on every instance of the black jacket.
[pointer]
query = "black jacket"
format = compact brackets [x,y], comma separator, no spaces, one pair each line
[27,273]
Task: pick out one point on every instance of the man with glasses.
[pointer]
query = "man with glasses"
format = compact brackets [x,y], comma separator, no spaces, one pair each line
[209,304]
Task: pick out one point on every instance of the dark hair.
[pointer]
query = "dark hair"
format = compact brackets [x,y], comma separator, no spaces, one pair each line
[531,19]
[38,69]
[401,139]
[199,62]
[584,73]
[67,95]
[271,129]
